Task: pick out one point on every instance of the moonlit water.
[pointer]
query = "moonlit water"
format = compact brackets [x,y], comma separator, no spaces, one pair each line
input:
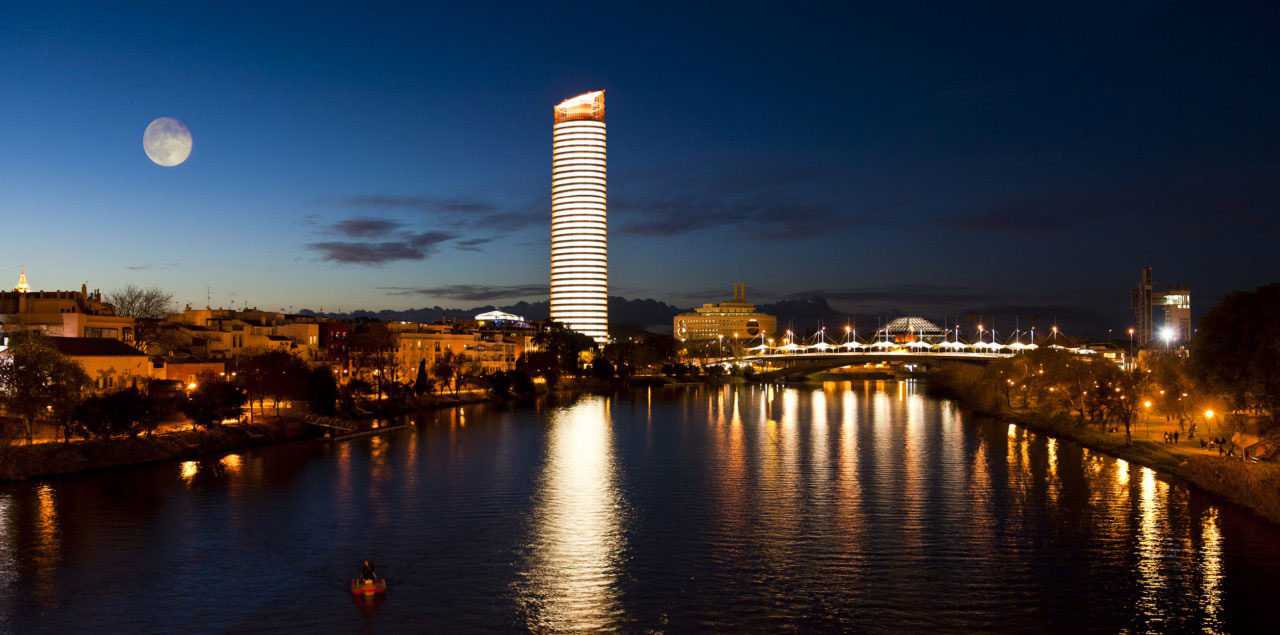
[863,506]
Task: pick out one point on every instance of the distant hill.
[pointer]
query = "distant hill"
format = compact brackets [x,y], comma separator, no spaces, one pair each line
[804,315]
[644,313]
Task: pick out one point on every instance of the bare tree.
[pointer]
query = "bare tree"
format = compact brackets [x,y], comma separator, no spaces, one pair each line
[152,303]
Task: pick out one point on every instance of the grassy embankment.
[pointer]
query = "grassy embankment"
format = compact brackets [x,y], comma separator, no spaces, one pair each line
[1255,486]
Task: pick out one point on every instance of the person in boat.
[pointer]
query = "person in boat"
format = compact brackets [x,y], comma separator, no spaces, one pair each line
[367,571]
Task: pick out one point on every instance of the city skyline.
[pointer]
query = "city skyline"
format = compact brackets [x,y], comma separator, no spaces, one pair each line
[414,174]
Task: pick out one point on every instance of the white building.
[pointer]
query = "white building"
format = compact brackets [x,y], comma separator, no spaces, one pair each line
[579,225]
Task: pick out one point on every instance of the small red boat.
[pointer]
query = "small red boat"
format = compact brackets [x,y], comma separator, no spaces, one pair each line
[368,588]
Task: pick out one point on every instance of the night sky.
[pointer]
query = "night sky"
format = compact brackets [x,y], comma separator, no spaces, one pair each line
[1026,157]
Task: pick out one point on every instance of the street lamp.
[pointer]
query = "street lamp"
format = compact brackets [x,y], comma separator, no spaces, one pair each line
[1166,334]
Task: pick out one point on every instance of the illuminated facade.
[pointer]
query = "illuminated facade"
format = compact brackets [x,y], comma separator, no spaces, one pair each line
[1177,315]
[1176,305]
[579,224]
[733,319]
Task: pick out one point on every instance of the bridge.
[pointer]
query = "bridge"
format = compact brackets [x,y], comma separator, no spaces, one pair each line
[823,356]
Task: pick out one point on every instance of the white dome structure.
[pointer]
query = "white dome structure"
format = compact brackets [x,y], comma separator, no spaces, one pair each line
[911,328]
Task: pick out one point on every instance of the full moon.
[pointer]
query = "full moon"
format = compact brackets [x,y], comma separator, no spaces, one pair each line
[167,142]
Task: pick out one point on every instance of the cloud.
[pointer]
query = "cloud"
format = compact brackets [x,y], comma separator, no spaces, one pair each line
[473,244]
[152,266]
[412,246]
[472,292]
[420,203]
[366,227]
[428,239]
[914,294]
[760,219]
[455,212]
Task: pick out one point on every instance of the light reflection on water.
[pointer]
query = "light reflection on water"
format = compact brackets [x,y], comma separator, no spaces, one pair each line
[576,550]
[737,508]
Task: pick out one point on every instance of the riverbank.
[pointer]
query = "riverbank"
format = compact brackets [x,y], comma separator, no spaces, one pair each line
[1254,486]
[42,460]
[45,460]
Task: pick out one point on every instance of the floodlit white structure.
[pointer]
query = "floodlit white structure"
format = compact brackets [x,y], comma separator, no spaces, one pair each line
[579,227]
[498,316]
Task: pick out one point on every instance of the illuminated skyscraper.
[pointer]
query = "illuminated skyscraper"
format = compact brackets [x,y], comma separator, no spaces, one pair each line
[579,223]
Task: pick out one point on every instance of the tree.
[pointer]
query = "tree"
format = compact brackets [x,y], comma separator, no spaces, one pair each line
[1121,394]
[371,347]
[446,369]
[422,385]
[279,375]
[470,372]
[123,412]
[36,381]
[152,303]
[601,368]
[563,348]
[214,401]
[1236,351]
[322,391]
[1175,393]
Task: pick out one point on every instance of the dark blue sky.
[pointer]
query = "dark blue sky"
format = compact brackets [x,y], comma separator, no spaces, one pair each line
[925,159]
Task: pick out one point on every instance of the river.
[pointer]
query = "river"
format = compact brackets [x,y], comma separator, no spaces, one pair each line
[847,506]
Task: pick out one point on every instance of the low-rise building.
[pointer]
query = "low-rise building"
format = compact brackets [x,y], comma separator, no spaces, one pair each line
[230,333]
[62,313]
[188,372]
[487,351]
[111,364]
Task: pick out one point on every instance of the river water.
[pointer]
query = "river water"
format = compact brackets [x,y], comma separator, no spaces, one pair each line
[849,506]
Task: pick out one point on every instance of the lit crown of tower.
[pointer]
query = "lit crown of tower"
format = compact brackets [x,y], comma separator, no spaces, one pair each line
[22,287]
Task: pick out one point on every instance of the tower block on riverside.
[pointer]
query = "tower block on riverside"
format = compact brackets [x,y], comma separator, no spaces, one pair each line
[579,222]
